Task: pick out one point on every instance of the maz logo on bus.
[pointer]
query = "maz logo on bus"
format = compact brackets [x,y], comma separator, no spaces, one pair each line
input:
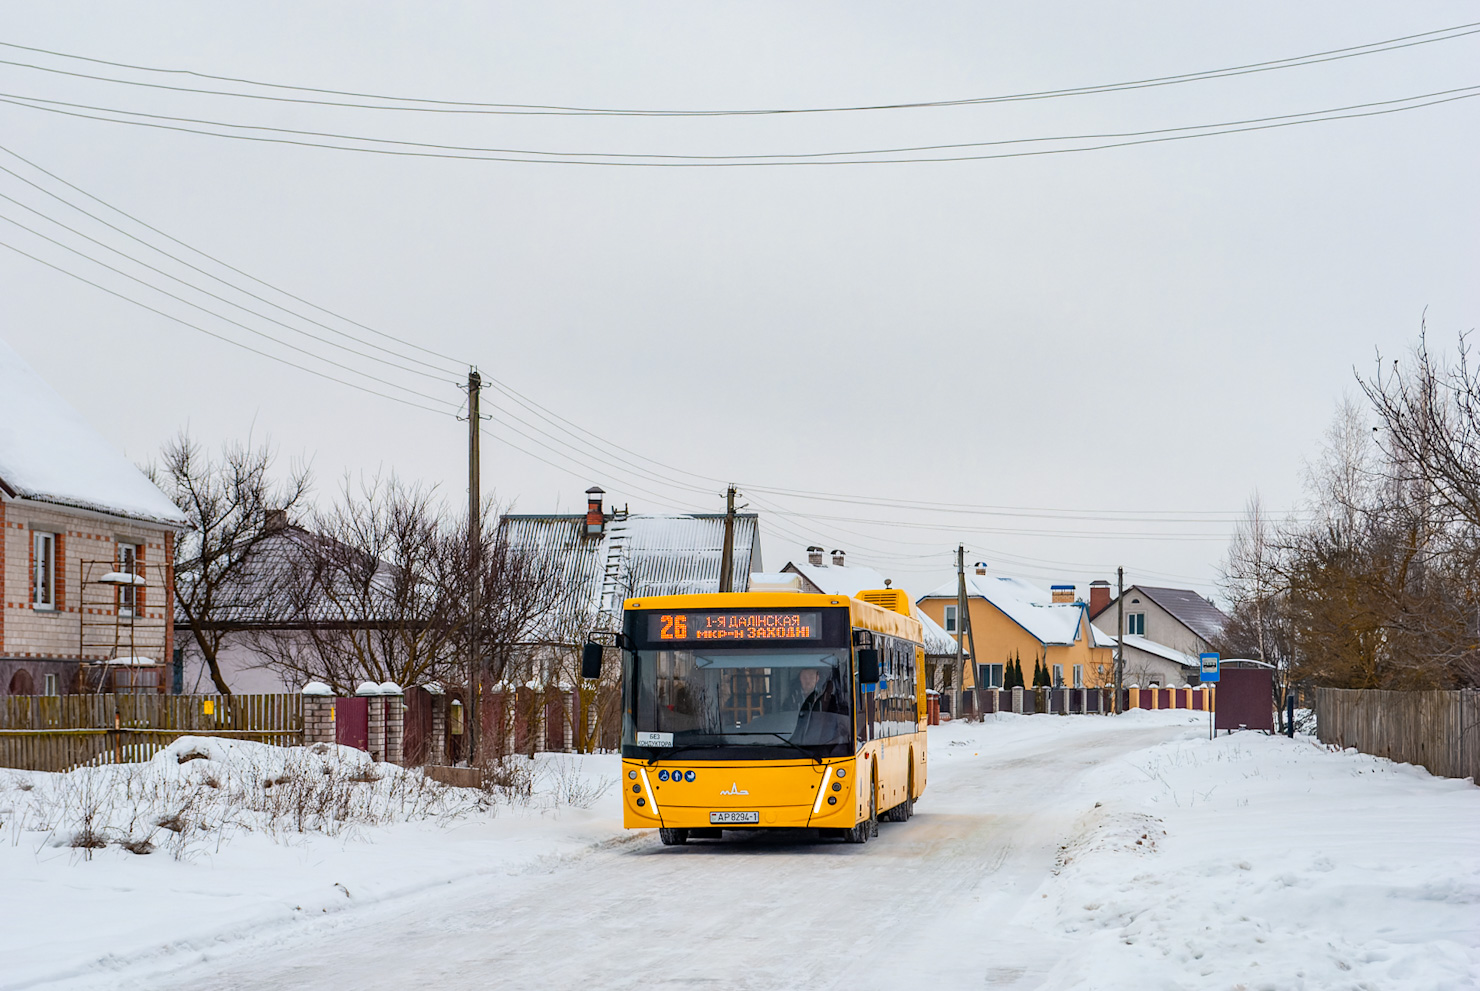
[734,789]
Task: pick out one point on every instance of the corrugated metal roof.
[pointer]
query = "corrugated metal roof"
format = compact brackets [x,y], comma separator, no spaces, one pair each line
[1190,609]
[637,554]
[259,593]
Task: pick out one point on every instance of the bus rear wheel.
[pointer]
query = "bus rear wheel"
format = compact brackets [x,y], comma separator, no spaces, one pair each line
[673,837]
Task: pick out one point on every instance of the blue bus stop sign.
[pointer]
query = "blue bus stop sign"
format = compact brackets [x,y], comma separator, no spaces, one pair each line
[1208,668]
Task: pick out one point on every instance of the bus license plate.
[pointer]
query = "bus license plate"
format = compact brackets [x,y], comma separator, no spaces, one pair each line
[722,818]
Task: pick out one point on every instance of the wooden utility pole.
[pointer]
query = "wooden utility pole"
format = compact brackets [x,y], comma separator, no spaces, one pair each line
[958,677]
[727,557]
[475,562]
[1119,633]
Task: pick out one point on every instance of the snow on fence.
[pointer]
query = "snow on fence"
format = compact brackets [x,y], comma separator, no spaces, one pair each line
[60,732]
[1438,730]
[1089,701]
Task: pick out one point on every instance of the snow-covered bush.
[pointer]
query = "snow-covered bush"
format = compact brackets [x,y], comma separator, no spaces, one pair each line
[202,790]
[198,792]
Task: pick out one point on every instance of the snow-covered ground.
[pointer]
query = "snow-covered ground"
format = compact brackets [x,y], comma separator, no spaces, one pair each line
[1056,852]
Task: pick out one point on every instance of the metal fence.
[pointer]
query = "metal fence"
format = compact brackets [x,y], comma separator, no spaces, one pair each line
[59,732]
[1438,730]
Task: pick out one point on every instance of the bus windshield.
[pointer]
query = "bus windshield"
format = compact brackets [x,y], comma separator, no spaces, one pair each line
[786,697]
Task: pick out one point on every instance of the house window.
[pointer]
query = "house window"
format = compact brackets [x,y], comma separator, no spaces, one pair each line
[44,575]
[1135,624]
[52,688]
[128,564]
[1058,676]
[1079,676]
[989,675]
[950,623]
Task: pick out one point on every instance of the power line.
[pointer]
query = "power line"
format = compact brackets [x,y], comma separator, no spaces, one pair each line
[425,149]
[213,295]
[428,105]
[203,309]
[218,261]
[219,337]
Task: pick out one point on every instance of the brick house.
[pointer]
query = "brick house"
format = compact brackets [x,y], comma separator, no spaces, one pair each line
[86,551]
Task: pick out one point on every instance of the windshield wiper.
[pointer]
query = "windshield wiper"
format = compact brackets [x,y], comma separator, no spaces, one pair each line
[787,740]
[675,751]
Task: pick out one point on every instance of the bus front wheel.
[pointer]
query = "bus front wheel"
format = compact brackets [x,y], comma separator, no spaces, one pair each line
[861,832]
[673,837]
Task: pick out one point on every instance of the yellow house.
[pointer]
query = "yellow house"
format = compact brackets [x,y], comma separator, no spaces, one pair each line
[1013,619]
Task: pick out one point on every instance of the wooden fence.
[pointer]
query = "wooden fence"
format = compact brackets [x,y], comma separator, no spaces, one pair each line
[60,732]
[1438,730]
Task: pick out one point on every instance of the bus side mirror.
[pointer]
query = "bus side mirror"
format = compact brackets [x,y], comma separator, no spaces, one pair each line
[591,660]
[868,665]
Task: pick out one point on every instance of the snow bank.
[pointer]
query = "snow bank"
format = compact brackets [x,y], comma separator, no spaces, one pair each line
[1261,862]
[245,837]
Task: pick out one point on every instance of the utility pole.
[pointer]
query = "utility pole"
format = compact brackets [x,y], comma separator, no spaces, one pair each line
[727,557]
[958,677]
[475,562]
[1119,634]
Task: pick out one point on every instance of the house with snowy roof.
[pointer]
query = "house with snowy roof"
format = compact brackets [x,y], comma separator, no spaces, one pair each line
[86,551]
[1015,620]
[605,556]
[1165,630]
[258,603]
[841,578]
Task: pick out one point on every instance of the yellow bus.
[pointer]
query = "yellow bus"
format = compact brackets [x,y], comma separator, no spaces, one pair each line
[770,710]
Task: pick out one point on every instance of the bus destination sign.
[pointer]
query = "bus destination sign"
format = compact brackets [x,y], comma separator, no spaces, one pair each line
[709,625]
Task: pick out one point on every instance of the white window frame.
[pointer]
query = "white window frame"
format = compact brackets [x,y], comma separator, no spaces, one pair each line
[1056,675]
[43,570]
[1078,675]
[53,686]
[1135,624]
[128,595]
[948,619]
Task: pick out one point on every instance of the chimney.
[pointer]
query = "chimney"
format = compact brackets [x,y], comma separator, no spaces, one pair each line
[981,567]
[1063,593]
[814,556]
[838,559]
[1099,596]
[595,518]
[277,519]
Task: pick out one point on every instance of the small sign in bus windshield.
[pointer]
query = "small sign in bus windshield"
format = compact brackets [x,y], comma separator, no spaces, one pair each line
[748,625]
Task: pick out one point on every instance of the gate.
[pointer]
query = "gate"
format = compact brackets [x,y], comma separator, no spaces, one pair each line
[352,722]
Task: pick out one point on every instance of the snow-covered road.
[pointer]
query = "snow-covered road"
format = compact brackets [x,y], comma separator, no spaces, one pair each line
[766,913]
[1074,852]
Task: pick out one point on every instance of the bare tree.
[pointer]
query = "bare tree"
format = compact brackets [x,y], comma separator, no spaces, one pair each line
[233,505]
[370,594]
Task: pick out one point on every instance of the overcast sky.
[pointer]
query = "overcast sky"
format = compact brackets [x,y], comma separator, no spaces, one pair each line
[1138,337]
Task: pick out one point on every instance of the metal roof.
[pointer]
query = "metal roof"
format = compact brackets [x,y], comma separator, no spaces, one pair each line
[636,554]
[1188,608]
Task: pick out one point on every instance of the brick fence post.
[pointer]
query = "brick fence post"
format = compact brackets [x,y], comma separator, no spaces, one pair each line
[395,722]
[375,737]
[1017,699]
[318,713]
[437,745]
